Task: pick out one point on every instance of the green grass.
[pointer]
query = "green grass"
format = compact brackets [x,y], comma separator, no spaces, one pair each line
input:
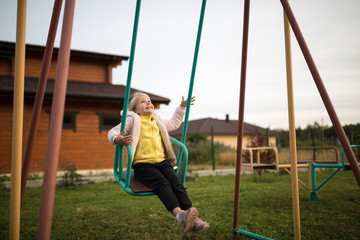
[104,211]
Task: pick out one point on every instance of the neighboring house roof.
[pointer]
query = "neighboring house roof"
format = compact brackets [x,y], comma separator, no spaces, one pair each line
[223,127]
[76,90]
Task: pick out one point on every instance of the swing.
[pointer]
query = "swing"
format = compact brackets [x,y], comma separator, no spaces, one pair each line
[126,178]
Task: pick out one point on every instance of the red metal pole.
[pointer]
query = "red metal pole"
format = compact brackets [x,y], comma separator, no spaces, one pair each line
[241,111]
[56,120]
[322,90]
[45,67]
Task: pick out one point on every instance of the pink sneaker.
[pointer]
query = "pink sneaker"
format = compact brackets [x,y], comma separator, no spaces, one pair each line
[199,226]
[186,219]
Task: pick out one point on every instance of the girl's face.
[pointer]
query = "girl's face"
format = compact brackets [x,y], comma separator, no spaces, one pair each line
[144,106]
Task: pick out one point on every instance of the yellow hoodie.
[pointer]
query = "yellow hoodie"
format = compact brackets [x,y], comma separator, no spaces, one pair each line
[150,148]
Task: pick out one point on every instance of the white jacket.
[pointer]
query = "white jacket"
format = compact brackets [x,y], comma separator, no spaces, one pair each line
[133,126]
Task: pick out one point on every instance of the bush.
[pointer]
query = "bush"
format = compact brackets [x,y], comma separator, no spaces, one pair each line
[70,178]
[2,178]
[200,151]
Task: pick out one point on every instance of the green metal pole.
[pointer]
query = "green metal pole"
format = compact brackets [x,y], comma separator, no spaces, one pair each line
[326,180]
[313,197]
[250,234]
[212,148]
[192,78]
[313,144]
[313,174]
[131,64]
[129,76]
[327,165]
[197,46]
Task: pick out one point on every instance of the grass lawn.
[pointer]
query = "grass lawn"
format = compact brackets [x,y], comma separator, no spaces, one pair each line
[105,211]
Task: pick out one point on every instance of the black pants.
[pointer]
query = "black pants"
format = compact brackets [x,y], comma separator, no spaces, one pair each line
[165,183]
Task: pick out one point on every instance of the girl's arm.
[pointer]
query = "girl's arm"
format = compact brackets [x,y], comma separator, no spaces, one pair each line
[123,139]
[178,116]
[115,137]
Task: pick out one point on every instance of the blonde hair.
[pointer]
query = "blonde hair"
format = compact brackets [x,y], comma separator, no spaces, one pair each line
[132,102]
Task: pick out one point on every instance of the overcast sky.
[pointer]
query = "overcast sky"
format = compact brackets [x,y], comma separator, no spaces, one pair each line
[166,42]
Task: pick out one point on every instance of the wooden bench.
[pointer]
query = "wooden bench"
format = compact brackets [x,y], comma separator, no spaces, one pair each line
[257,164]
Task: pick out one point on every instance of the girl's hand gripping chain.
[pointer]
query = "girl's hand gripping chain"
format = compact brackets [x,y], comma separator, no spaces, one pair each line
[123,140]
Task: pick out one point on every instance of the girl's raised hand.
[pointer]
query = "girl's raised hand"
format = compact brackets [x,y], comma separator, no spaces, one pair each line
[184,101]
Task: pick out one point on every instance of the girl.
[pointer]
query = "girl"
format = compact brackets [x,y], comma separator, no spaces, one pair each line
[147,133]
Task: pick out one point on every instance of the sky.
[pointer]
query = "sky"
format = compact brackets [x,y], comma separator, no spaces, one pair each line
[165,50]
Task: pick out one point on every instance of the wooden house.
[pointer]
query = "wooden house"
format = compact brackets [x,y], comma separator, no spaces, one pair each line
[92,107]
[225,132]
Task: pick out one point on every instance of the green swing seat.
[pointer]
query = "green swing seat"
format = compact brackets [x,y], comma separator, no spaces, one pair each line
[127,178]
[135,185]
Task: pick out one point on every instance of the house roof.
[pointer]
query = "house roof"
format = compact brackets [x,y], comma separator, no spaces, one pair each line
[8,49]
[76,90]
[224,127]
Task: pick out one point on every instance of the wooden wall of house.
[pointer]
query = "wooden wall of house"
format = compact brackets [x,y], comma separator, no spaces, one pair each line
[84,69]
[79,70]
[87,148]
[91,147]
[6,67]
[5,133]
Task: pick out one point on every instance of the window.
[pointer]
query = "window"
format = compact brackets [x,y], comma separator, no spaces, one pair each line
[108,120]
[69,120]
